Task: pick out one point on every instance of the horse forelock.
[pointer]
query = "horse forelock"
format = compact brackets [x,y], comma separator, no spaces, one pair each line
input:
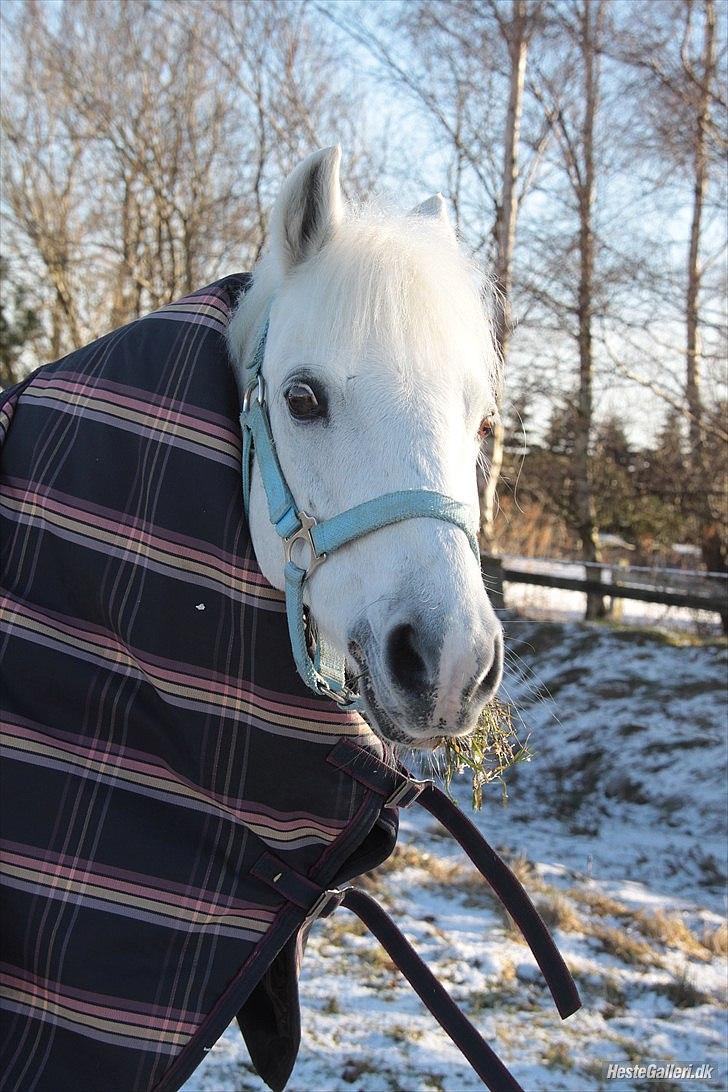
[388,287]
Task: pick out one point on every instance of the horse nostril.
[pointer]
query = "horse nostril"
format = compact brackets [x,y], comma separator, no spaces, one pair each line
[492,678]
[407,666]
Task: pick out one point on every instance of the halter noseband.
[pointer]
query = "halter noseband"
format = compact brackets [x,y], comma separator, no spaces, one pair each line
[324,672]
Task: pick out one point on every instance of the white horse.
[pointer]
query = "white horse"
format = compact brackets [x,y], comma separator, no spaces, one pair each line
[381,375]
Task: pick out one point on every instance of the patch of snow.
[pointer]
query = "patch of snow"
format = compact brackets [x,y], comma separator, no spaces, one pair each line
[686,549]
[560,605]
[616,826]
[611,540]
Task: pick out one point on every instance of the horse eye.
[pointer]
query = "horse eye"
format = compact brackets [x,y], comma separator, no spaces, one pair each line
[485,429]
[303,403]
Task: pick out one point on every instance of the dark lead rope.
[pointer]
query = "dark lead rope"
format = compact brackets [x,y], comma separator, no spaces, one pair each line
[482,1058]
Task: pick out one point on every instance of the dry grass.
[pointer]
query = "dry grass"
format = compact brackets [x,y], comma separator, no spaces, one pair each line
[557,1056]
[596,902]
[669,929]
[507,973]
[620,943]
[558,912]
[408,856]
[405,1033]
[525,871]
[354,1069]
[684,994]
[377,959]
[615,997]
[716,940]
[491,750]
[374,882]
[631,1047]
[337,929]
[672,931]
[503,991]
[451,876]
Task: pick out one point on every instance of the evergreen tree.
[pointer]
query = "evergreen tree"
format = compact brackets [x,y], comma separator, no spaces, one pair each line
[19,324]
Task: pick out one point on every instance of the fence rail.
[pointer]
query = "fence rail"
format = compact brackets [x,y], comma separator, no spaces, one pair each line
[714,597]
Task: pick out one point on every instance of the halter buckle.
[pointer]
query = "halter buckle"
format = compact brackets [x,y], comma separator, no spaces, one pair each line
[303,534]
[257,386]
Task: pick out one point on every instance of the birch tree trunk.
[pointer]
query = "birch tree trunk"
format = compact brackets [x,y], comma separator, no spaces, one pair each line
[703,81]
[590,19]
[505,231]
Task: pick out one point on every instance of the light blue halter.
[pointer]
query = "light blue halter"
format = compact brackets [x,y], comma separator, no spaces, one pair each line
[324,672]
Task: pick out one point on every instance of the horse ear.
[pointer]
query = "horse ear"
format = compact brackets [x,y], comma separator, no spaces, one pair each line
[309,208]
[435,208]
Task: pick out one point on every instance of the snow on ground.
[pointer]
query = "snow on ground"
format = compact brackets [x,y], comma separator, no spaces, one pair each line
[617,829]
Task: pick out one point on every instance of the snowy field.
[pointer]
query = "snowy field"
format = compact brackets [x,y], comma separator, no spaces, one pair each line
[617,829]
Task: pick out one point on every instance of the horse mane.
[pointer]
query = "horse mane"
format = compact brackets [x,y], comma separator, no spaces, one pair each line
[402,278]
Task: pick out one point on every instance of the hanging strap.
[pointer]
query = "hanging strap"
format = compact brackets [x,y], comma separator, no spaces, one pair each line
[466,1037]
[399,789]
[511,893]
[320,902]
[392,783]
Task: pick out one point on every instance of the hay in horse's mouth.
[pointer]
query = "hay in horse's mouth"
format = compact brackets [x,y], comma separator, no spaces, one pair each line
[488,752]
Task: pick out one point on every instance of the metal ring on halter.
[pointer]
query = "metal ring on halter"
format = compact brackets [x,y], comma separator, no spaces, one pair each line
[345,698]
[303,534]
[258,385]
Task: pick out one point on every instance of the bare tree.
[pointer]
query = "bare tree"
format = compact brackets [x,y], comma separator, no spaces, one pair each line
[700,72]
[563,282]
[579,160]
[516,32]
[130,183]
[43,181]
[458,61]
[678,60]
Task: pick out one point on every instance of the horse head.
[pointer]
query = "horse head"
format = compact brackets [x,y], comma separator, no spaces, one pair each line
[381,376]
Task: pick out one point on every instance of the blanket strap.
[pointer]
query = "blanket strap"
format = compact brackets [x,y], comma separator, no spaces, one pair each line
[320,902]
[466,1037]
[399,789]
[392,782]
[511,894]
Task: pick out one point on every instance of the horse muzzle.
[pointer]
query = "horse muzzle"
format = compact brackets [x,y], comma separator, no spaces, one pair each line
[418,683]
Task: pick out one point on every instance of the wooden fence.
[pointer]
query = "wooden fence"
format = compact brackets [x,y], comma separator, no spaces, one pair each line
[670,587]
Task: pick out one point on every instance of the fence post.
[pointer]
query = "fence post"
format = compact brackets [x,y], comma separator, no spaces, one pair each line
[616,605]
[491,569]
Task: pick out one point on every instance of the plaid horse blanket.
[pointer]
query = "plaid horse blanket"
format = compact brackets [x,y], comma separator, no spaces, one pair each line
[157,742]
[176,807]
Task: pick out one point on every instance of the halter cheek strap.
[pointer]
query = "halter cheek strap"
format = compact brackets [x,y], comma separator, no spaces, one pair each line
[303,535]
